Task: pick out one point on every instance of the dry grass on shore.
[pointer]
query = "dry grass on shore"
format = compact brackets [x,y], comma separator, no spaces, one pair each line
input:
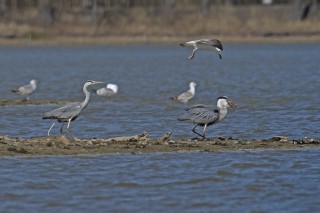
[231,24]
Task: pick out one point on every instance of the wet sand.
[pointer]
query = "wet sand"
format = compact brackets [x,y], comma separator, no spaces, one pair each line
[32,102]
[141,143]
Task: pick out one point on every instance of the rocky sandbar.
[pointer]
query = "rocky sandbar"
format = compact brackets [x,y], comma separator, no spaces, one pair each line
[141,143]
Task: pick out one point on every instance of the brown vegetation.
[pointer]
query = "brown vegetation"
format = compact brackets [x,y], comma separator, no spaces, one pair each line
[67,22]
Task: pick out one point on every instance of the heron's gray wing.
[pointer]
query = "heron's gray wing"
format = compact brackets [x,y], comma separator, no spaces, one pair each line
[211,42]
[201,114]
[64,113]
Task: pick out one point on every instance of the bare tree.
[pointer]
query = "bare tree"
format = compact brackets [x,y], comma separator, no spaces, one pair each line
[205,6]
[46,11]
[3,7]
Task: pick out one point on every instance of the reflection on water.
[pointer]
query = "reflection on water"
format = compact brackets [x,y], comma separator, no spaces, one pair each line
[244,181]
[276,88]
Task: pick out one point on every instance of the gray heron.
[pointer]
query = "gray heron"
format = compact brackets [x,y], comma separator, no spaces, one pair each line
[70,112]
[204,44]
[108,91]
[26,90]
[204,115]
[186,96]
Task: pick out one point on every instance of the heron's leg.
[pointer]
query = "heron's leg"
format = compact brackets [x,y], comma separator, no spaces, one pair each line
[69,133]
[61,129]
[219,55]
[50,129]
[69,121]
[68,130]
[204,131]
[194,130]
[193,54]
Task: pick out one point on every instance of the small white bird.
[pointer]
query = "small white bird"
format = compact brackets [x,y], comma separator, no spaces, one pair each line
[204,44]
[186,96]
[109,90]
[26,90]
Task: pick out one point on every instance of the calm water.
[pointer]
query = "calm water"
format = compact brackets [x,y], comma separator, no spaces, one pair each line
[276,88]
[277,91]
[255,181]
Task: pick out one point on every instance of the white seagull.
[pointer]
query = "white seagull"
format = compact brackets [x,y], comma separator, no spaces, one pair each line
[204,44]
[26,90]
[109,90]
[186,96]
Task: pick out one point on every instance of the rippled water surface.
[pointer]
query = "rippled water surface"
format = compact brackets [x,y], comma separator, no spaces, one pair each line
[276,88]
[252,181]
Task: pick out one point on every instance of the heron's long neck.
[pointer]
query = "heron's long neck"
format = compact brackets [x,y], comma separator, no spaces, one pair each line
[87,94]
[223,111]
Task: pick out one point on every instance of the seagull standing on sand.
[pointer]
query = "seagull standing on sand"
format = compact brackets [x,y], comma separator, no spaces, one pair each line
[204,115]
[109,90]
[186,96]
[204,44]
[26,90]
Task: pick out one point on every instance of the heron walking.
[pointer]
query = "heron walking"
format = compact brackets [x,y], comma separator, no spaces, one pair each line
[204,44]
[186,96]
[70,112]
[108,91]
[26,90]
[204,115]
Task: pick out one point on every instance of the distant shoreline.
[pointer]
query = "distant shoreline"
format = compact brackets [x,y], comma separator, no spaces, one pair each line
[129,40]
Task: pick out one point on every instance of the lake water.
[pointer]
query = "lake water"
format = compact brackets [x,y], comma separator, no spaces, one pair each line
[242,181]
[277,91]
[276,88]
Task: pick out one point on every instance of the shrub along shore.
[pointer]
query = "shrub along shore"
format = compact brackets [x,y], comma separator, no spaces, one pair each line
[138,25]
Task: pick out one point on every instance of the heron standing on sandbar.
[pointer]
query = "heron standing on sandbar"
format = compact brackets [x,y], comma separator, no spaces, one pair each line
[70,112]
[204,44]
[204,115]
[26,90]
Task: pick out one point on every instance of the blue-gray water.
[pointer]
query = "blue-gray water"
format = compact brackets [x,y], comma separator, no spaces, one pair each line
[242,181]
[276,88]
[277,91]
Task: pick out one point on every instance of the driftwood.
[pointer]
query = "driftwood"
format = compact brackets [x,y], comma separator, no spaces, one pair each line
[141,137]
[165,136]
[63,140]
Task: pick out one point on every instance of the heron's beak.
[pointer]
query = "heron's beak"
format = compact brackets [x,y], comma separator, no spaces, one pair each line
[98,82]
[232,104]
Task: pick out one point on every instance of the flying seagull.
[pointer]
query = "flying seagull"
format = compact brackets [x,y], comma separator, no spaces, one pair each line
[204,44]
